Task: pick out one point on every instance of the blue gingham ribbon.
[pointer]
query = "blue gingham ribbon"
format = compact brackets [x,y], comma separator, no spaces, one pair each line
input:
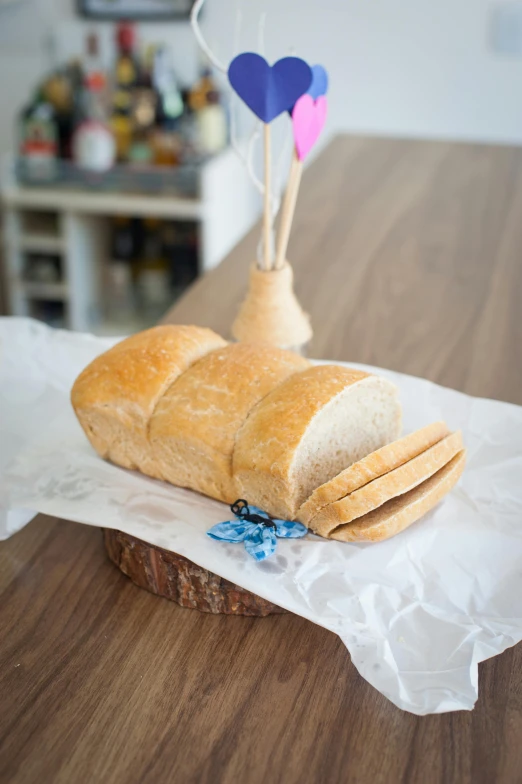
[257,529]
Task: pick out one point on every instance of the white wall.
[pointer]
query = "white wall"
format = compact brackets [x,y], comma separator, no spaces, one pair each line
[406,67]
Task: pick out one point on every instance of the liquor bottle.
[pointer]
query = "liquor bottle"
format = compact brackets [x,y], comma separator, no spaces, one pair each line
[76,76]
[212,125]
[144,111]
[57,90]
[127,67]
[167,146]
[166,137]
[170,99]
[145,98]
[92,63]
[38,140]
[152,272]
[126,72]
[119,293]
[181,253]
[94,147]
[211,119]
[198,96]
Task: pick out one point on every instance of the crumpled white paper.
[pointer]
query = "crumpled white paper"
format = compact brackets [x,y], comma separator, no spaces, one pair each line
[417,613]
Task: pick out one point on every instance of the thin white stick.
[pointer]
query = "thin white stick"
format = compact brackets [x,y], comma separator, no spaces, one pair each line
[267,215]
[287,215]
[194,21]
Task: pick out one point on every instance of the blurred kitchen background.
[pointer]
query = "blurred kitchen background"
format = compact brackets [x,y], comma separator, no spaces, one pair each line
[118,184]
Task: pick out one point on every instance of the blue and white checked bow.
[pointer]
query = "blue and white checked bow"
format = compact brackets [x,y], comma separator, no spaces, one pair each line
[257,529]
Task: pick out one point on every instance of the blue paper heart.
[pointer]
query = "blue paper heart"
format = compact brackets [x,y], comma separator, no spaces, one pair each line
[269,90]
[319,84]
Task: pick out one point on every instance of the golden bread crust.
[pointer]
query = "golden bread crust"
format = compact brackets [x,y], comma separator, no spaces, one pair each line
[202,412]
[115,396]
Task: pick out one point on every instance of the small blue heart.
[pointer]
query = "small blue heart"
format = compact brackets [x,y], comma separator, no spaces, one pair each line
[319,84]
[269,90]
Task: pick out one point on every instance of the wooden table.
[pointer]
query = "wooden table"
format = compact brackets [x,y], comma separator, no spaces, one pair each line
[407,255]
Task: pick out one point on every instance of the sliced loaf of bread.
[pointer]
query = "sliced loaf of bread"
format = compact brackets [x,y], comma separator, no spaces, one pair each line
[307,430]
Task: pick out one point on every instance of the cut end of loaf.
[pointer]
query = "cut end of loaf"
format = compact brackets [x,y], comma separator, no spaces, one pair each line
[363,418]
[307,431]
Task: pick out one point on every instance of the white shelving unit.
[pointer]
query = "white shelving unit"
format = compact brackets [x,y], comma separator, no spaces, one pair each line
[72,225]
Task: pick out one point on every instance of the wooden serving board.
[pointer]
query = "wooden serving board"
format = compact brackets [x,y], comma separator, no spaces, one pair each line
[180,580]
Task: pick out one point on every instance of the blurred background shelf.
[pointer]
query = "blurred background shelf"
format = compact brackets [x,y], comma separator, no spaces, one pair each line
[113,261]
[42,243]
[120,187]
[43,291]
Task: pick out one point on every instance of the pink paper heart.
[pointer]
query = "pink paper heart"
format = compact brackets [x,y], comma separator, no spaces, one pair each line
[308,119]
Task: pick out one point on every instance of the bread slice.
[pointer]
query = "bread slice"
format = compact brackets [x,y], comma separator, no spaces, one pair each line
[115,395]
[307,430]
[386,487]
[371,467]
[394,516]
[193,429]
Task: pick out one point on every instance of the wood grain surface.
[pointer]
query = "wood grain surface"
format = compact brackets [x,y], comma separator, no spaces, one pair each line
[407,255]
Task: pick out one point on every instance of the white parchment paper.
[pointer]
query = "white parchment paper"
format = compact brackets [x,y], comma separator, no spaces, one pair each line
[417,613]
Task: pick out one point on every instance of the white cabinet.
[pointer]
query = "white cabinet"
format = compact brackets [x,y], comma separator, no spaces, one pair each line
[72,226]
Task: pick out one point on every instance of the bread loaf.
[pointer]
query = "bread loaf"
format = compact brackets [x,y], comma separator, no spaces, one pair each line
[253,421]
[307,430]
[115,396]
[399,513]
[395,483]
[371,467]
[248,420]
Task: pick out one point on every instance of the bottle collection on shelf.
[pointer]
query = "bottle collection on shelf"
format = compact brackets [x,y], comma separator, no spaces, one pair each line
[135,114]
[150,263]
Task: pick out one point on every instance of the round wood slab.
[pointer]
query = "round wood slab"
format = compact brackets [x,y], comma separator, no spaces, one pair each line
[180,580]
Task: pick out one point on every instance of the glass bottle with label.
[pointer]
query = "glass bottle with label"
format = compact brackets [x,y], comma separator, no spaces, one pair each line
[152,272]
[126,73]
[38,140]
[119,292]
[211,118]
[94,146]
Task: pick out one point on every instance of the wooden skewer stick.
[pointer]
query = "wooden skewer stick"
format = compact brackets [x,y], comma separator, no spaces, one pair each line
[287,214]
[267,217]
